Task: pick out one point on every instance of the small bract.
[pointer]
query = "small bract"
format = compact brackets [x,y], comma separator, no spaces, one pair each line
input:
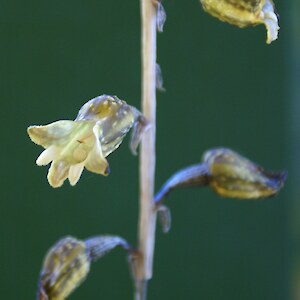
[98,130]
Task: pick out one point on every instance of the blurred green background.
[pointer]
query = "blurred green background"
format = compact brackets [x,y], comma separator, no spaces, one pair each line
[225,87]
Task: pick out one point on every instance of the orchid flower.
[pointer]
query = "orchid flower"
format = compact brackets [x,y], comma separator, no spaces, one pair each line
[98,130]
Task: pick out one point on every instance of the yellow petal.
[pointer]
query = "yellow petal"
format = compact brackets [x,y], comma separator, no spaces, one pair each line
[58,173]
[55,132]
[75,173]
[95,161]
[47,156]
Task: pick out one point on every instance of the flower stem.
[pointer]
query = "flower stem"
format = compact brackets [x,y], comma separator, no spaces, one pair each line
[147,217]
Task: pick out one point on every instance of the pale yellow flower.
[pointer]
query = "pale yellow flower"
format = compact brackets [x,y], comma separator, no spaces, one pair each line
[98,130]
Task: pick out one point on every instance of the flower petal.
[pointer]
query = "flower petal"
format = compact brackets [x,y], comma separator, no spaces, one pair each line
[47,156]
[58,173]
[55,132]
[140,126]
[75,173]
[96,161]
[270,20]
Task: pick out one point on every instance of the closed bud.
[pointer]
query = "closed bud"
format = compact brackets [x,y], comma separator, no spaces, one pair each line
[68,263]
[244,13]
[234,176]
[229,174]
[65,266]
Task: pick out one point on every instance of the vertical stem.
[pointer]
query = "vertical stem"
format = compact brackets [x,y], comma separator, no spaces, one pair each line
[147,217]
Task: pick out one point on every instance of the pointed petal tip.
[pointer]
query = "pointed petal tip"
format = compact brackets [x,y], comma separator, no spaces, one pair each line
[270,19]
[75,173]
[34,133]
[140,127]
[277,180]
[54,184]
[107,171]
[57,174]
[47,156]
[283,175]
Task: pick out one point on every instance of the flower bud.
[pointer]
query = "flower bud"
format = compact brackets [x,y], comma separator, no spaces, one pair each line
[244,13]
[65,266]
[233,176]
[228,174]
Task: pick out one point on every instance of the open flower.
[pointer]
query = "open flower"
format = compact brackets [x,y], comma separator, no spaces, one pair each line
[98,130]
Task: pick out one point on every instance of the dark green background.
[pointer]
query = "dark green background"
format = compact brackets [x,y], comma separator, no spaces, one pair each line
[225,87]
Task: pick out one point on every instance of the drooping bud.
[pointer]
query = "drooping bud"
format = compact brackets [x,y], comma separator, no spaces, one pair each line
[234,176]
[67,264]
[244,13]
[229,175]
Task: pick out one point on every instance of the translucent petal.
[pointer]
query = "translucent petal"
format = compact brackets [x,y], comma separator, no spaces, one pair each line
[140,126]
[95,161]
[270,20]
[47,156]
[114,117]
[75,173]
[58,173]
[161,17]
[100,108]
[55,132]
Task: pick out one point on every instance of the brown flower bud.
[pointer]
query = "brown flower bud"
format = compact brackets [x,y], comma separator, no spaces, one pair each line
[228,174]
[234,176]
[243,13]
[65,266]
[68,263]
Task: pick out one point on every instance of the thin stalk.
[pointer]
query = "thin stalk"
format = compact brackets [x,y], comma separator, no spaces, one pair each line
[147,216]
